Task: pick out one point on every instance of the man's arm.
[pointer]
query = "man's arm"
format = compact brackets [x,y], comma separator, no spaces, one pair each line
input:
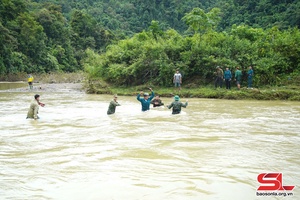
[115,103]
[184,104]
[161,103]
[138,96]
[152,94]
[170,106]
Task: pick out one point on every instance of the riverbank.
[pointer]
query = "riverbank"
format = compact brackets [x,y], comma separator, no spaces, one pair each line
[49,87]
[53,77]
[269,93]
[45,82]
[291,93]
[68,82]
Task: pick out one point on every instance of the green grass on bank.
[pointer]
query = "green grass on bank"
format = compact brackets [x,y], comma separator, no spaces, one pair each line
[270,93]
[288,92]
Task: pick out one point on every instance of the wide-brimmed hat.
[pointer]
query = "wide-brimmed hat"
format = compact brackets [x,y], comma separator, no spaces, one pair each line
[176,98]
[146,94]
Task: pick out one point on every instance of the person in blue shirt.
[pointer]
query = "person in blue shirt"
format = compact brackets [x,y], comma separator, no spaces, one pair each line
[250,77]
[227,78]
[146,100]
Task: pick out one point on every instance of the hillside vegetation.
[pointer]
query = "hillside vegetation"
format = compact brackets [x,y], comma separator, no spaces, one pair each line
[132,42]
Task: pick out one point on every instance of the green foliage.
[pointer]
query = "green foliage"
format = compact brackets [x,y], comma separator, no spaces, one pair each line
[51,35]
[133,16]
[200,21]
[149,59]
[38,38]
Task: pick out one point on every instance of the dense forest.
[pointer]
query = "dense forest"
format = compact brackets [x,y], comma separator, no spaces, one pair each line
[132,16]
[135,41]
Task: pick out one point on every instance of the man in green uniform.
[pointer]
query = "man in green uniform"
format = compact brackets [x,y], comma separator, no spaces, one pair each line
[34,108]
[219,77]
[112,105]
[238,77]
[177,105]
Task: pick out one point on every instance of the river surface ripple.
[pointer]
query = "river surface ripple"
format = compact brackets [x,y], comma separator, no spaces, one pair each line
[214,149]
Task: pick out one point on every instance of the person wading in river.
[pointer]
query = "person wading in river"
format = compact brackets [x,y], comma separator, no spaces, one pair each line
[30,81]
[157,101]
[146,100]
[112,105]
[34,108]
[176,105]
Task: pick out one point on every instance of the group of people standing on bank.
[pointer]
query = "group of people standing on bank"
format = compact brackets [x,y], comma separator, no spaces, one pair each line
[227,77]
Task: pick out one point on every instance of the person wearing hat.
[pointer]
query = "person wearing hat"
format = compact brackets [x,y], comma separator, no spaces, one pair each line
[176,105]
[112,105]
[34,108]
[146,100]
[219,78]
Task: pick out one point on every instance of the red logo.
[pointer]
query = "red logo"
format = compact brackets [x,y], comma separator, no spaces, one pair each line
[272,181]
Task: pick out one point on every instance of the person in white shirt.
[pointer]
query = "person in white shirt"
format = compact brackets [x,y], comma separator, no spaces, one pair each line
[177,80]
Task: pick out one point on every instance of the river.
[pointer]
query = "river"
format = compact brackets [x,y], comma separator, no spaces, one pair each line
[215,149]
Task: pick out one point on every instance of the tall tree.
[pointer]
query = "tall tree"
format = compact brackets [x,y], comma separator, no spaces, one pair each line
[200,22]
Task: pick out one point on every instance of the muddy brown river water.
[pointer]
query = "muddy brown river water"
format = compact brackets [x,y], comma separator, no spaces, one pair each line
[214,149]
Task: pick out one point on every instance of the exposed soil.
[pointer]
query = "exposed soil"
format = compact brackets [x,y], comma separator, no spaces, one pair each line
[50,87]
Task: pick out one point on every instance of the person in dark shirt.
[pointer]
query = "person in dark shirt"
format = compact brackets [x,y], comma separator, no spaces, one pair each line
[157,101]
[176,105]
[250,77]
[112,105]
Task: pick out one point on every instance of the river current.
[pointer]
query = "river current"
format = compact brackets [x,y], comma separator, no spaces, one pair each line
[215,149]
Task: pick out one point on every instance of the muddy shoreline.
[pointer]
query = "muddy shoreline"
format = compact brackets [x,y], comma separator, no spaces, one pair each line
[49,87]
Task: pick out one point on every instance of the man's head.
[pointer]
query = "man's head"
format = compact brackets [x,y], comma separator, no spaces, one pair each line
[37,97]
[146,95]
[227,68]
[237,68]
[176,98]
[115,97]
[157,97]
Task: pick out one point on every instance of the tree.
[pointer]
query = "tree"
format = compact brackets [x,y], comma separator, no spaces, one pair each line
[199,21]
[155,29]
